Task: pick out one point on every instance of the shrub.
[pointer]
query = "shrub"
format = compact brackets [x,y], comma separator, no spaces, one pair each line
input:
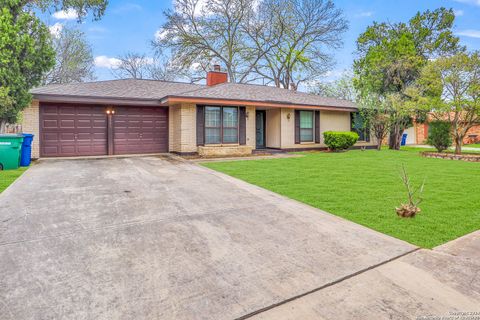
[440,135]
[340,140]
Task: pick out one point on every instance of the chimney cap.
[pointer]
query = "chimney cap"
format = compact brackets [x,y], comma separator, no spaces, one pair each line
[216,67]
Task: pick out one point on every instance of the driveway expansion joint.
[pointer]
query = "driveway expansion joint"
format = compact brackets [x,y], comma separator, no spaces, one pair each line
[330,284]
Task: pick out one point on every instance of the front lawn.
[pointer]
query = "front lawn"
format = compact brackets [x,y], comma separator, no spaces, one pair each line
[475,145]
[365,187]
[8,176]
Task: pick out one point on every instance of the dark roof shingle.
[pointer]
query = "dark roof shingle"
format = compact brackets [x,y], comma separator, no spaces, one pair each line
[123,88]
[153,90]
[259,93]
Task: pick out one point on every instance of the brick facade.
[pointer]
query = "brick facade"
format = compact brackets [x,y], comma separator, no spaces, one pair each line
[182,130]
[473,135]
[31,124]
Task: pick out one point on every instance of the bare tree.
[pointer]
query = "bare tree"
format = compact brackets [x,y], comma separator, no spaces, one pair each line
[132,65]
[284,42]
[73,59]
[341,88]
[211,31]
[167,69]
[410,209]
[309,31]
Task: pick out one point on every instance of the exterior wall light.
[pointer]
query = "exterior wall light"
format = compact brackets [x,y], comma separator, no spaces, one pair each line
[289,115]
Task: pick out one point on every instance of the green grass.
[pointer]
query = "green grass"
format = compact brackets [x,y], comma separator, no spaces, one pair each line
[8,176]
[475,145]
[365,187]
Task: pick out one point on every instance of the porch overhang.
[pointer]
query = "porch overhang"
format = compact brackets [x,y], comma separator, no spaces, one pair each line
[171,100]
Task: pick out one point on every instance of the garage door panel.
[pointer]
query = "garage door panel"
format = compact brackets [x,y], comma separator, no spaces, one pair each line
[50,124]
[140,130]
[99,123]
[67,124]
[73,130]
[66,136]
[80,130]
[66,110]
[84,123]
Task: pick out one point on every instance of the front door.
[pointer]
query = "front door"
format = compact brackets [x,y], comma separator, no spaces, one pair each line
[260,129]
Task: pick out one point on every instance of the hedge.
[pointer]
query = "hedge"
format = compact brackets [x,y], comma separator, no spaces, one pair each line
[340,140]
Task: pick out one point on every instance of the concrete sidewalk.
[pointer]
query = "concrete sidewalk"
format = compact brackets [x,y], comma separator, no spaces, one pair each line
[434,282]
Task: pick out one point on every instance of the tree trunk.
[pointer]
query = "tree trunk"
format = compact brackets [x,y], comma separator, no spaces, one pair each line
[3,126]
[458,145]
[379,138]
[395,138]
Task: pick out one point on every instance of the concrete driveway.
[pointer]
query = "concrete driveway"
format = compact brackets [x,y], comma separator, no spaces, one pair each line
[159,238]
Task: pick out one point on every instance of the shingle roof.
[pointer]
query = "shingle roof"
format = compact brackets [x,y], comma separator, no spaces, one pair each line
[153,90]
[123,88]
[259,93]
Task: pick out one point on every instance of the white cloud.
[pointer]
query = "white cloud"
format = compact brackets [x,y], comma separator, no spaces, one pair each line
[458,13]
[471,33]
[106,62]
[56,29]
[473,2]
[70,14]
[365,14]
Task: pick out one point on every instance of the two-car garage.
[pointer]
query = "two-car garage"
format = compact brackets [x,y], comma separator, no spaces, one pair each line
[90,130]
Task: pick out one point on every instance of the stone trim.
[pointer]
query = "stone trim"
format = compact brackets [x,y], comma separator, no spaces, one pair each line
[237,150]
[452,156]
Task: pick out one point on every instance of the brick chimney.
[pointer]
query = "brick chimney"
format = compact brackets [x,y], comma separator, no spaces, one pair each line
[216,76]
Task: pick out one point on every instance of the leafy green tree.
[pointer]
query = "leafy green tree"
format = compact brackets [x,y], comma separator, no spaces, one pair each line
[25,54]
[25,48]
[440,135]
[449,88]
[376,111]
[81,7]
[391,57]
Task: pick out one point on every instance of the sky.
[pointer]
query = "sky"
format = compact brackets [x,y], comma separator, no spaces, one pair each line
[130,26]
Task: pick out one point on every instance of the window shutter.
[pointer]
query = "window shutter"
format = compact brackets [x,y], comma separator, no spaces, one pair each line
[242,126]
[297,126]
[200,125]
[317,126]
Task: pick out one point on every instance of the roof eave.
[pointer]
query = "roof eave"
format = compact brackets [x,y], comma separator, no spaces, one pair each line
[95,100]
[168,100]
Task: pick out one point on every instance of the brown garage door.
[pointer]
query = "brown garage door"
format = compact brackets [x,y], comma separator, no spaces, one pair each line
[72,130]
[140,130]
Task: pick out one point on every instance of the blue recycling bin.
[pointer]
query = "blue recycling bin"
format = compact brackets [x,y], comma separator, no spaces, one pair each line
[404,139]
[26,154]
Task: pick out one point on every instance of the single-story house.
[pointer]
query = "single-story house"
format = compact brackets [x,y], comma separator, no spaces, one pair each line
[419,134]
[147,116]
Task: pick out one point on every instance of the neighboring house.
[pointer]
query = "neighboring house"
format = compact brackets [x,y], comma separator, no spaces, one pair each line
[419,134]
[146,116]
